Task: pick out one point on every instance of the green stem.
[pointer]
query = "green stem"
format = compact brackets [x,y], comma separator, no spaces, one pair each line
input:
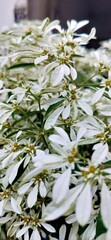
[81,84]
[42,125]
[81,157]
[25,114]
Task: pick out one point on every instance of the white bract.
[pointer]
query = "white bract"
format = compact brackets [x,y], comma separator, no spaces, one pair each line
[55,133]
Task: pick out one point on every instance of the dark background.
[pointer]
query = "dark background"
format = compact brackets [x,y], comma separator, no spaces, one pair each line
[98,12]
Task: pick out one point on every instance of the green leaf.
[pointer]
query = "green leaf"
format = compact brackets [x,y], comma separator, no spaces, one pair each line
[53,107]
[100,228]
[107,164]
[21,65]
[77,56]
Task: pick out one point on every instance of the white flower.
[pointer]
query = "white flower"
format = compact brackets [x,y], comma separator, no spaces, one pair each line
[54,211]
[60,72]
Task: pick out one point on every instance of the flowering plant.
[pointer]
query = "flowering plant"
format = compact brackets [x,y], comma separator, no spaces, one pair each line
[55,133]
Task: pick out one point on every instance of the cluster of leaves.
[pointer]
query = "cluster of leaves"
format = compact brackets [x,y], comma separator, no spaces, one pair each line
[55,133]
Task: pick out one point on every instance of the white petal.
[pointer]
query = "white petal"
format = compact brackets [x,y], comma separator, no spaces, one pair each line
[57,139]
[109,93]
[32,197]
[71,219]
[61,186]
[52,238]
[84,205]
[66,69]
[106,206]
[106,110]
[18,135]
[48,227]
[35,235]
[42,189]
[90,36]
[52,25]
[99,154]
[1,207]
[102,237]
[26,236]
[66,112]
[54,211]
[85,107]
[72,134]
[40,59]
[107,170]
[7,160]
[90,232]
[51,121]
[62,232]
[73,73]
[81,133]
[57,75]
[73,232]
[21,232]
[5,117]
[15,171]
[33,173]
[1,84]
[51,162]
[97,95]
[62,133]
[108,234]
[15,206]
[4,220]
[24,188]
[81,24]
[39,155]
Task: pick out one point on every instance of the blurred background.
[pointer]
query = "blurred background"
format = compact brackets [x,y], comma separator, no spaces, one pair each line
[97,12]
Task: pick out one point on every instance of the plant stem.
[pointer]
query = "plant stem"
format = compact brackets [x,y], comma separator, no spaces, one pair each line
[25,114]
[81,84]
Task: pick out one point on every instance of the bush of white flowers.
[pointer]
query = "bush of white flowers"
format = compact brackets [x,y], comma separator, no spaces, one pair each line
[55,133]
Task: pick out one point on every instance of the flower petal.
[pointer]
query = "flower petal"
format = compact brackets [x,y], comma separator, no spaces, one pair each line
[21,232]
[48,227]
[73,73]
[24,188]
[42,189]
[85,107]
[35,235]
[15,171]
[57,75]
[15,206]
[51,120]
[32,197]
[99,154]
[84,205]
[66,112]
[54,211]
[97,95]
[61,186]
[40,59]
[106,206]
[62,232]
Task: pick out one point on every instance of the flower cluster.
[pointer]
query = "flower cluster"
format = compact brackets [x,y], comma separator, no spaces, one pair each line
[55,133]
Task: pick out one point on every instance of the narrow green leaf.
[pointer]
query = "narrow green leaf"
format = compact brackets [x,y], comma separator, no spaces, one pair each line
[100,228]
[53,107]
